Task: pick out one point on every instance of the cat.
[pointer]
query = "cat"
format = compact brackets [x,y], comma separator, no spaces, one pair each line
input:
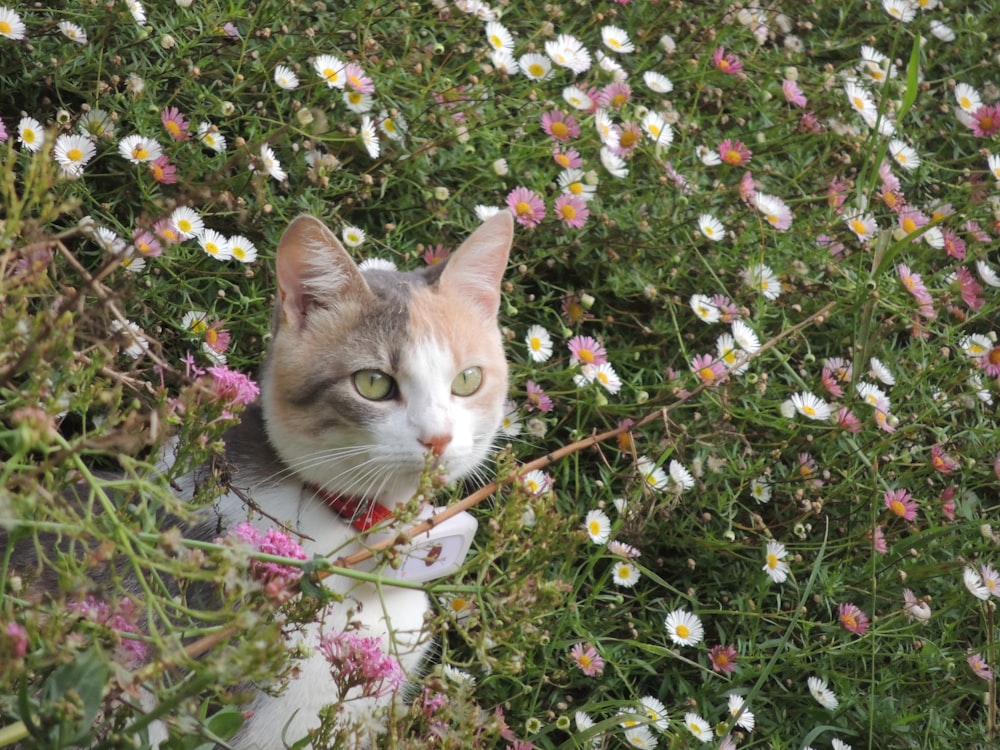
[372,378]
[369,375]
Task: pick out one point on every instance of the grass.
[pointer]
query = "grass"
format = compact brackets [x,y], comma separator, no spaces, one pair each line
[749,467]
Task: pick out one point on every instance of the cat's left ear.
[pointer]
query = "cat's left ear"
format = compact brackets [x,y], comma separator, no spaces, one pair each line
[476,269]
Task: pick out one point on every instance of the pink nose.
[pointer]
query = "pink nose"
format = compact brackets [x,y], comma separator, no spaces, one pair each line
[436,444]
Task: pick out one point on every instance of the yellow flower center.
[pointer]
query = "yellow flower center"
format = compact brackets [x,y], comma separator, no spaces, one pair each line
[331,75]
[173,128]
[568,212]
[523,208]
[706,373]
[74,154]
[536,70]
[140,152]
[28,135]
[683,631]
[859,103]
[595,528]
[559,129]
[585,355]
[772,561]
[239,253]
[808,410]
[858,226]
[5,28]
[909,225]
[732,157]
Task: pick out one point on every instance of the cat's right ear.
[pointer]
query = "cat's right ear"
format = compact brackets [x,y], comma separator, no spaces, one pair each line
[313,269]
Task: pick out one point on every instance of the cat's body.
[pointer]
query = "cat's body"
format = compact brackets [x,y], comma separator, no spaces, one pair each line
[371,377]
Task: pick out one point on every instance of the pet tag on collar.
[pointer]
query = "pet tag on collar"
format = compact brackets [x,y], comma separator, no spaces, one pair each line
[435,553]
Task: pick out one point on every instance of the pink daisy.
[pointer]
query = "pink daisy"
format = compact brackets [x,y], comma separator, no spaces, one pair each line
[723,659]
[953,244]
[793,94]
[727,63]
[848,420]
[734,153]
[615,95]
[852,618]
[985,121]
[567,158]
[901,504]
[969,288]
[537,398]
[572,210]
[356,79]
[911,219]
[914,284]
[990,362]
[146,244]
[435,254]
[587,659]
[560,126]
[175,124]
[527,206]
[163,171]
[878,541]
[941,460]
[708,368]
[586,350]
[980,667]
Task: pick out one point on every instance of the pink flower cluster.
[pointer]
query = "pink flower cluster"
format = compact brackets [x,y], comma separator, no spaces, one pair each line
[357,661]
[122,618]
[275,577]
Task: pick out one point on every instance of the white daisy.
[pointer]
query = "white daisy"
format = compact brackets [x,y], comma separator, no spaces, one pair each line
[211,137]
[941,30]
[652,475]
[499,37]
[285,77]
[134,263]
[539,344]
[872,394]
[73,32]
[810,405]
[656,712]
[744,718]
[975,345]
[987,274]
[658,129]
[744,335]
[760,490]
[352,236]
[606,128]
[536,481]
[605,374]
[684,628]
[860,100]
[902,10]
[598,526]
[657,82]
[11,25]
[535,66]
[331,70]
[823,695]
[574,181]
[775,564]
[875,65]
[904,155]
[640,737]
[504,62]
[109,240]
[187,222]
[862,224]
[577,98]
[698,727]
[129,336]
[393,125]
[680,476]
[96,123]
[137,11]
[242,249]
[369,137]
[271,164]
[616,40]
[584,724]
[30,133]
[733,358]
[974,583]
[708,156]
[711,227]
[839,744]
[625,574]
[568,52]
[357,102]
[613,163]
[215,244]
[704,308]
[510,424]
[764,280]
[138,149]
[73,152]
[880,372]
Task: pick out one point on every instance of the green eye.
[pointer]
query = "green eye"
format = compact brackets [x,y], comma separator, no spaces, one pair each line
[467,382]
[374,385]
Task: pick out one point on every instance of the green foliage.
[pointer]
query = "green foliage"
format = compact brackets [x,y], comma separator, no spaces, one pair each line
[87,406]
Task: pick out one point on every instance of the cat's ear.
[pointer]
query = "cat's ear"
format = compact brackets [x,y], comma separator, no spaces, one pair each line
[313,269]
[476,269]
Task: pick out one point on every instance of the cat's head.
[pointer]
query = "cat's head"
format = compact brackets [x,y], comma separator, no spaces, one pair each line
[372,373]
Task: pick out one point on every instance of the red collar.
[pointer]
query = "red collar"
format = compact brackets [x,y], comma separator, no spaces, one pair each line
[363,514]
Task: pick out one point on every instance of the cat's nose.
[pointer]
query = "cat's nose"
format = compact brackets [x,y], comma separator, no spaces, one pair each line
[436,443]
